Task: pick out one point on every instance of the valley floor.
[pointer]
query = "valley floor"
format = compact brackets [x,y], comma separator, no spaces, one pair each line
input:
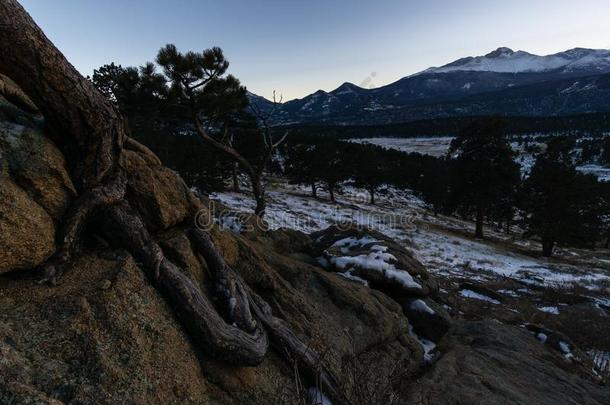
[502,277]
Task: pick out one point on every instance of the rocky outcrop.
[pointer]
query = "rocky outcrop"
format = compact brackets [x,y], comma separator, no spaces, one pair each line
[106,336]
[365,255]
[488,363]
[430,319]
[37,166]
[157,192]
[35,191]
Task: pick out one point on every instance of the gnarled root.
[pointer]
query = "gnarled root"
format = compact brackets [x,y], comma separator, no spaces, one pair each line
[194,309]
[228,284]
[285,340]
[244,302]
[70,236]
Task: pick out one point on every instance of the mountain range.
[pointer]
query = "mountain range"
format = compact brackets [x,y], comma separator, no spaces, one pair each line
[503,82]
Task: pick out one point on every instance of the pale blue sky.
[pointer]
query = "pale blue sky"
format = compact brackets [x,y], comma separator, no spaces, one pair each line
[298,47]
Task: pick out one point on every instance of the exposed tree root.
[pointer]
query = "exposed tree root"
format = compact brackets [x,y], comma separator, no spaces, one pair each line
[219,338]
[75,220]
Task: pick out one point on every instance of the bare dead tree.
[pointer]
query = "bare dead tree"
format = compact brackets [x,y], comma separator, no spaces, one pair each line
[264,119]
[270,144]
[94,136]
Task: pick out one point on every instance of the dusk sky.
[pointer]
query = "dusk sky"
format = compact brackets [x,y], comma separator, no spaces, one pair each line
[297,48]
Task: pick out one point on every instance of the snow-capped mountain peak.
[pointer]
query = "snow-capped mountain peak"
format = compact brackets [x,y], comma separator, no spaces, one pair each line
[500,53]
[505,60]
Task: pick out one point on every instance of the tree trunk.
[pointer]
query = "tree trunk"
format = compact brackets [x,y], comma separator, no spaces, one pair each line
[234,176]
[547,247]
[314,190]
[372,193]
[478,233]
[258,191]
[331,193]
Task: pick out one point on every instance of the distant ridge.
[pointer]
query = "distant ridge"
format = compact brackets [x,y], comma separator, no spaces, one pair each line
[501,82]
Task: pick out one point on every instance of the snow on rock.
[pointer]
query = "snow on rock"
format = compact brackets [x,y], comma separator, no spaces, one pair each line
[428,345]
[601,359]
[376,260]
[566,349]
[542,337]
[348,275]
[509,293]
[348,244]
[475,295]
[549,310]
[421,306]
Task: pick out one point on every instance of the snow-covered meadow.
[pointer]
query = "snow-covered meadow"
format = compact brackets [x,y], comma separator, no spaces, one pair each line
[439,145]
[442,244]
[434,146]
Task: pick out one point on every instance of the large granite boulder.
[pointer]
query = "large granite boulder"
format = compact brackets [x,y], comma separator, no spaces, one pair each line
[367,256]
[27,234]
[37,166]
[158,193]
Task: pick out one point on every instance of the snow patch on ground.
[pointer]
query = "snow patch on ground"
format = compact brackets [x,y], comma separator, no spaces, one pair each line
[434,146]
[549,310]
[476,296]
[453,256]
[230,223]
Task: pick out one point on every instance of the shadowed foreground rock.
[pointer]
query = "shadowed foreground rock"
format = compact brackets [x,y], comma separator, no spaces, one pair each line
[490,363]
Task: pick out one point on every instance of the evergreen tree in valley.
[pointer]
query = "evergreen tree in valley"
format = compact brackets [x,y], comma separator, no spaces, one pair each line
[329,165]
[433,183]
[300,166]
[561,205]
[367,166]
[484,170]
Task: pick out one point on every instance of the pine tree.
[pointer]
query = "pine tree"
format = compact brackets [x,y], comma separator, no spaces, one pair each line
[366,165]
[329,165]
[561,205]
[484,169]
[300,164]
